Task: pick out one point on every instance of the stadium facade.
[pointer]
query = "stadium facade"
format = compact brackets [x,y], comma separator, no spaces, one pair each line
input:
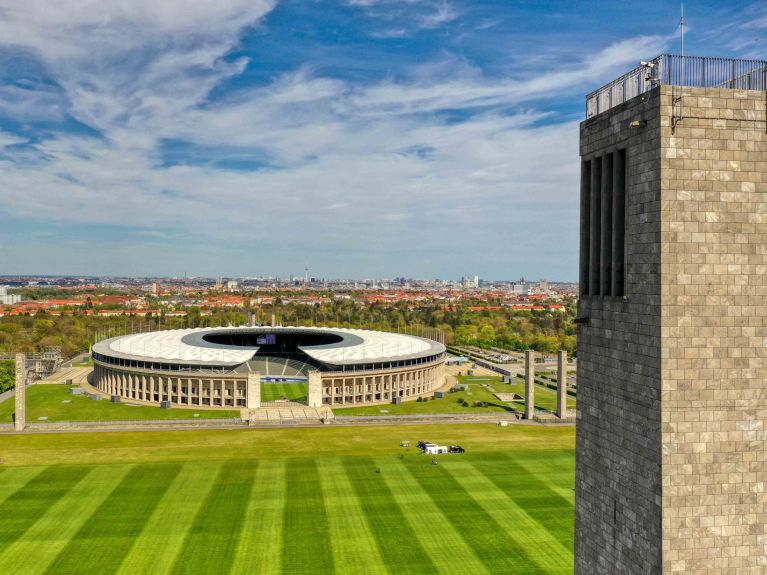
[223,367]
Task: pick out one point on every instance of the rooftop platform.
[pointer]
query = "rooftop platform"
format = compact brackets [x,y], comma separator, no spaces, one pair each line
[674,70]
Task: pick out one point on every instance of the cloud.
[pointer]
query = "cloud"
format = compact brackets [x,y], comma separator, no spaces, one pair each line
[115,61]
[7,139]
[457,86]
[410,16]
[445,13]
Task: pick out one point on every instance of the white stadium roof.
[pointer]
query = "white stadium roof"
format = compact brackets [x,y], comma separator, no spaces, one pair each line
[187,346]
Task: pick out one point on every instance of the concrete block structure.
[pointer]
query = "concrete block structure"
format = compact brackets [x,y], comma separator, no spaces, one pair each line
[672,343]
[562,384]
[529,384]
[20,417]
[253,392]
[314,389]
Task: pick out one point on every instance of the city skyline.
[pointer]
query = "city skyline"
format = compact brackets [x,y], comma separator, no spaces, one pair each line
[156,139]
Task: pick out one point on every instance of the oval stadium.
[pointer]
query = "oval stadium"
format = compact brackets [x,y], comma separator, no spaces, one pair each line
[224,367]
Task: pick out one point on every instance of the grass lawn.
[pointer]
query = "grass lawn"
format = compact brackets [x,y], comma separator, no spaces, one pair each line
[314,500]
[294,391]
[545,398]
[57,403]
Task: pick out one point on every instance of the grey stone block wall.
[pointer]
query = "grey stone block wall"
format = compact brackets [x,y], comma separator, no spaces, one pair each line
[672,381]
[618,461]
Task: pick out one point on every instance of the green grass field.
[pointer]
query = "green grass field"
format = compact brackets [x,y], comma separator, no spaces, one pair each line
[294,391]
[56,403]
[545,398]
[299,501]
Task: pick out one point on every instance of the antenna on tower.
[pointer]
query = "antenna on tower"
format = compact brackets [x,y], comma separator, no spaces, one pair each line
[681,37]
[676,101]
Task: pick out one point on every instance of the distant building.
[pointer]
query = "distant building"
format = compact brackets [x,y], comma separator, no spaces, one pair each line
[8,298]
[469,282]
[520,287]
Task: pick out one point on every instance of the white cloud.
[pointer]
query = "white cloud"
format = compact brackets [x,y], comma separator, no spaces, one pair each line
[7,139]
[444,13]
[411,15]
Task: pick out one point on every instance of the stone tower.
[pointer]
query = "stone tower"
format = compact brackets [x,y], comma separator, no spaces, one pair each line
[20,415]
[672,344]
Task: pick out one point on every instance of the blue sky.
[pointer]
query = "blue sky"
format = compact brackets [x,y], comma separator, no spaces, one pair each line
[364,138]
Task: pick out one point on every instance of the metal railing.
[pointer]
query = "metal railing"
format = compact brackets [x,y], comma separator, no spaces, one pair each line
[688,71]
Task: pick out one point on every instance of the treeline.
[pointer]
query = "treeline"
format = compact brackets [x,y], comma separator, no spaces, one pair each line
[7,375]
[545,331]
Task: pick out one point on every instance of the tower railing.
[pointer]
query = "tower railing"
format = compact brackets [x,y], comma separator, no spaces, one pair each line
[686,71]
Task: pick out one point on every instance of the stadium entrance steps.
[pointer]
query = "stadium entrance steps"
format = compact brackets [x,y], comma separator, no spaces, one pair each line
[286,412]
[78,375]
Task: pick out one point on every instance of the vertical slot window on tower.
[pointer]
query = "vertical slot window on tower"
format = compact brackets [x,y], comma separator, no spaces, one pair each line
[585,226]
[619,223]
[603,225]
[606,259]
[595,223]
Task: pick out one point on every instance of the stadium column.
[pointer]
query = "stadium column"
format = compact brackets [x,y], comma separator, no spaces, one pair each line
[314,391]
[253,400]
[529,384]
[19,420]
[562,384]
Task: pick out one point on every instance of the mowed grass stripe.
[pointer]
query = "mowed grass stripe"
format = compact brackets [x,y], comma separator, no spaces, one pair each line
[14,478]
[30,501]
[398,544]
[260,546]
[555,469]
[541,545]
[350,535]
[156,547]
[441,540]
[488,538]
[305,546]
[554,512]
[44,540]
[212,539]
[106,537]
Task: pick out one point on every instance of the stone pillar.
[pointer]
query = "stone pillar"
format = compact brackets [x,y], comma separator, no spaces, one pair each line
[314,391]
[562,384]
[529,384]
[253,392]
[20,420]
